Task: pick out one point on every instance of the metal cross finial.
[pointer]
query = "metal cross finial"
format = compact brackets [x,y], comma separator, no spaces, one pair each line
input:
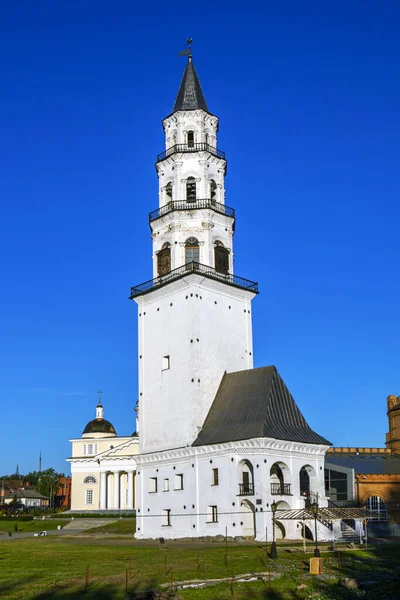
[100,393]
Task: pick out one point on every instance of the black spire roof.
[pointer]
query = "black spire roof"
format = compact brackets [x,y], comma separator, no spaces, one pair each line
[190,95]
[255,403]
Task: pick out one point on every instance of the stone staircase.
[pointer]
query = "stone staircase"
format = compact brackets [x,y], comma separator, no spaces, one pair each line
[83,524]
[348,533]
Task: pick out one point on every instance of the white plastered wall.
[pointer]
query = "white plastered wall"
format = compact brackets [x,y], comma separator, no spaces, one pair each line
[204,327]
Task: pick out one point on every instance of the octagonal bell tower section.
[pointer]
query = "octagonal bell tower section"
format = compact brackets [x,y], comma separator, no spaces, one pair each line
[195,314]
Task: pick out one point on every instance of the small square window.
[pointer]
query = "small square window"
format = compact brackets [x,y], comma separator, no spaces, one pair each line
[166,517]
[165,363]
[152,485]
[179,482]
[212,514]
[215,478]
[166,485]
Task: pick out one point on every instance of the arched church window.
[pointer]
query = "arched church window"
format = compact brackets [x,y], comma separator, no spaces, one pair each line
[192,250]
[90,479]
[213,190]
[168,191]
[164,259]
[190,189]
[190,139]
[221,258]
[378,508]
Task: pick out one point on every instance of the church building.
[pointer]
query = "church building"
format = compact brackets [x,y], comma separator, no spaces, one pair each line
[219,443]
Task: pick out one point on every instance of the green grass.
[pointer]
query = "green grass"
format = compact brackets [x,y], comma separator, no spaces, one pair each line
[123,526]
[54,568]
[34,526]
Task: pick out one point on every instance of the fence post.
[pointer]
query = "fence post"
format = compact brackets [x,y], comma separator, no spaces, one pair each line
[226,546]
[198,562]
[87,578]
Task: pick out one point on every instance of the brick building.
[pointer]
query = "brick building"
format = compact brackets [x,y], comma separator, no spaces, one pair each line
[370,476]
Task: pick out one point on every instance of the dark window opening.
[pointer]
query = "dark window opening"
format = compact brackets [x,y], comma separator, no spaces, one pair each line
[190,139]
[221,257]
[191,189]
[215,477]
[304,482]
[168,191]
[213,190]
[164,260]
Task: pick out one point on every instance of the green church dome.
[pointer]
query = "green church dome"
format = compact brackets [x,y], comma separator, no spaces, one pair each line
[99,425]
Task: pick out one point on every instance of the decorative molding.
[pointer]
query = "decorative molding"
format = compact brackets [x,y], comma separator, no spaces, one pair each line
[256,446]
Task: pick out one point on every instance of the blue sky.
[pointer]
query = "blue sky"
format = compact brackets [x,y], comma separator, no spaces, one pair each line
[308,97]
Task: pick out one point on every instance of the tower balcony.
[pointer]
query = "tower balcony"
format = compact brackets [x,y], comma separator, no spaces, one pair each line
[192,205]
[187,269]
[179,148]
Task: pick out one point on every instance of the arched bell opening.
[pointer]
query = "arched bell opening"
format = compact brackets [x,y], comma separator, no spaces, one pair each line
[221,258]
[192,250]
[191,192]
[164,259]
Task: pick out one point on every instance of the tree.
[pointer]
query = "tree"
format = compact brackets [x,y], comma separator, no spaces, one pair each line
[49,482]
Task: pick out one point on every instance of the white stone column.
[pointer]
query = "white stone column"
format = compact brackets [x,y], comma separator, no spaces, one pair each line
[103,490]
[130,490]
[116,489]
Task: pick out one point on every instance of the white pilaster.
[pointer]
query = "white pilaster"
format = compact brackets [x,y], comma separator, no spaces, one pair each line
[116,490]
[103,490]
[130,490]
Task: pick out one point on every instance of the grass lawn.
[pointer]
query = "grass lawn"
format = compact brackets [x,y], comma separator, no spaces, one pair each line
[37,525]
[54,569]
[123,526]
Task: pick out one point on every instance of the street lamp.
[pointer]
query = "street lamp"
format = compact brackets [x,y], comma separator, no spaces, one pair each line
[314,508]
[274,553]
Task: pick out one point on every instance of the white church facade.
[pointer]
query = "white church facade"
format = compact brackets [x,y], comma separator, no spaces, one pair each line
[218,441]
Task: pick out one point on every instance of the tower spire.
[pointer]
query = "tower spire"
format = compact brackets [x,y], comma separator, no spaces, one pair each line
[190,95]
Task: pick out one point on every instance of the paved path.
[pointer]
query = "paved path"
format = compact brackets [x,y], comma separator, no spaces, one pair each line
[26,534]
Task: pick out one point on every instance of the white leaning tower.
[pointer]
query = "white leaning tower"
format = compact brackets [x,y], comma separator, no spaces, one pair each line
[219,441]
[195,314]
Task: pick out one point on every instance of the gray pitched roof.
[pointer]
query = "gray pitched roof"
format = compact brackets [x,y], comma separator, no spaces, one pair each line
[190,95]
[365,463]
[255,403]
[24,493]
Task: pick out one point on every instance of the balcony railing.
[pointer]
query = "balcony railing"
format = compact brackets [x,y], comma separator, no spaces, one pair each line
[187,269]
[246,489]
[191,148]
[282,489]
[192,205]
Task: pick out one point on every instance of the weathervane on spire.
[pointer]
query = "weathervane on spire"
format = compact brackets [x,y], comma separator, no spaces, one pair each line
[188,51]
